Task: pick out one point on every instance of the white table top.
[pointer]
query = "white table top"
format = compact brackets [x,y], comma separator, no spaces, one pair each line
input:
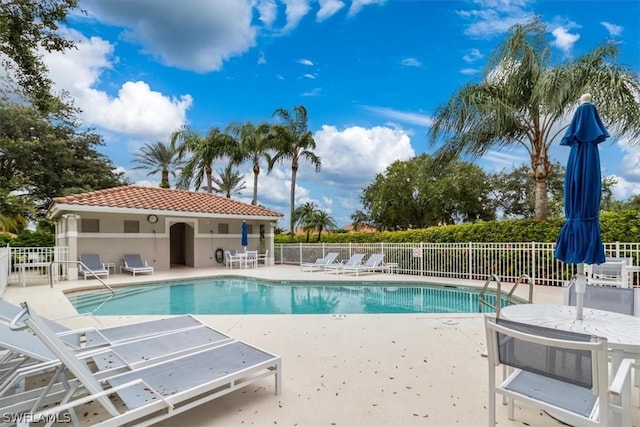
[621,331]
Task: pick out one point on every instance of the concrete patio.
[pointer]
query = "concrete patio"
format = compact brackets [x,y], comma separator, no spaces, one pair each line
[353,370]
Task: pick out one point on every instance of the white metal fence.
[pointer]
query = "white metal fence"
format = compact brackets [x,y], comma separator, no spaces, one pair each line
[475,261]
[34,265]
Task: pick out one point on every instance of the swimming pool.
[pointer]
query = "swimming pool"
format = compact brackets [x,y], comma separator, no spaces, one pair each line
[232,295]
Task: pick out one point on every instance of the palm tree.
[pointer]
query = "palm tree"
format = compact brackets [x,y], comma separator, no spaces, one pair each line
[252,145]
[303,216]
[158,157]
[321,220]
[292,141]
[230,182]
[203,151]
[522,100]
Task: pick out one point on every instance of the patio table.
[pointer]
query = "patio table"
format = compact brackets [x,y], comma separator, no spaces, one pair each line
[621,330]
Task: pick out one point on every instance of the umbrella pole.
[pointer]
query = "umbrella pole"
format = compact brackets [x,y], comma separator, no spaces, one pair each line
[581,284]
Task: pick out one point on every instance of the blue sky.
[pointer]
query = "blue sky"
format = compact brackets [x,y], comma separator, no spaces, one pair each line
[370,73]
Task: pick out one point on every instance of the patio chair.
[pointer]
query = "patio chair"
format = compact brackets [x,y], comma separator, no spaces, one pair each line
[156,391]
[619,300]
[320,263]
[91,266]
[262,258]
[134,264]
[251,259]
[609,273]
[92,337]
[563,373]
[355,260]
[231,257]
[374,263]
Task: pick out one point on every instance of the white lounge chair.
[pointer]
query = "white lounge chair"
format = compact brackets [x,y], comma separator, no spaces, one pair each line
[134,264]
[354,261]
[92,267]
[154,391]
[374,263]
[608,298]
[320,263]
[563,373]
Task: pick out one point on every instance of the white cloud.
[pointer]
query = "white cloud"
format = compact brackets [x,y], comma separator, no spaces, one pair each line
[564,40]
[402,116]
[295,10]
[472,56]
[495,17]
[305,61]
[624,189]
[470,71]
[353,156]
[267,11]
[193,35]
[495,161]
[357,5]
[614,30]
[411,62]
[313,92]
[309,76]
[135,110]
[328,8]
[262,59]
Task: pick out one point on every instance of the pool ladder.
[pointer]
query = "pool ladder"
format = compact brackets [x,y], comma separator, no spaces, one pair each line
[494,279]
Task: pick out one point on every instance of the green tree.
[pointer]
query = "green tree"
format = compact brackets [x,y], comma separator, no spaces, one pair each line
[203,151]
[303,216]
[158,157]
[632,204]
[513,191]
[421,192]
[26,26]
[230,182]
[252,145]
[321,220]
[522,100]
[41,159]
[292,140]
[360,219]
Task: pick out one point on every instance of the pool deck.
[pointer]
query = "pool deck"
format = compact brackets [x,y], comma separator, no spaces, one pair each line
[353,370]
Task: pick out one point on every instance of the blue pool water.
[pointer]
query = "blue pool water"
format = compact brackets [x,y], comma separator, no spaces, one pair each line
[250,296]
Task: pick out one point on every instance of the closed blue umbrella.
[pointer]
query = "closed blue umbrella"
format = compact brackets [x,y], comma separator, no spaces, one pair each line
[580,241]
[245,235]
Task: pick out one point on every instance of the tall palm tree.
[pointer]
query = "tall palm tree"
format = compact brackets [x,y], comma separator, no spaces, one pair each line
[203,151]
[230,182]
[293,141]
[523,99]
[302,217]
[158,157]
[252,145]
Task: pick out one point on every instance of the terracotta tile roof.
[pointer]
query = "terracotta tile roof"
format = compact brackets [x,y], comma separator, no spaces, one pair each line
[163,199]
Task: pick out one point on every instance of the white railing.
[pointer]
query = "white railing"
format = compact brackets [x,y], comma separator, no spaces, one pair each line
[475,261]
[34,265]
[5,268]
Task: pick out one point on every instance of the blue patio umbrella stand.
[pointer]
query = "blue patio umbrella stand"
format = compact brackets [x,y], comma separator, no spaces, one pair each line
[580,240]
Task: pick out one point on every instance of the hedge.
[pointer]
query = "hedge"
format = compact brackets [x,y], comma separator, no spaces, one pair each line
[621,226]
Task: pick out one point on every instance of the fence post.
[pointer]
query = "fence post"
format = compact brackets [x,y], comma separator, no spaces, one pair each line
[470,261]
[533,262]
